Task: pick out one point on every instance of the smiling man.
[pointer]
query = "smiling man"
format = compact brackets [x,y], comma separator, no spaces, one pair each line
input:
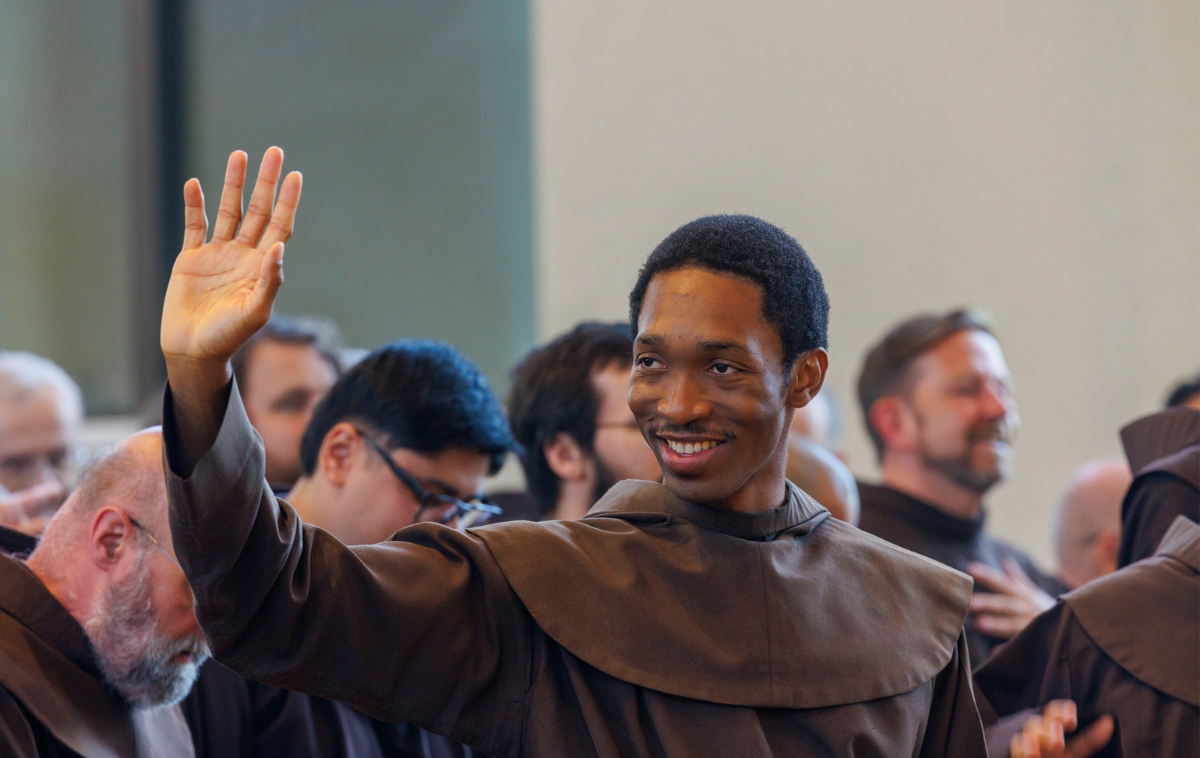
[719,613]
[936,396]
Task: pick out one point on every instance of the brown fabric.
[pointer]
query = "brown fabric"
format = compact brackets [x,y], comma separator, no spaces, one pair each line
[46,666]
[915,525]
[1163,450]
[428,628]
[1126,644]
[808,583]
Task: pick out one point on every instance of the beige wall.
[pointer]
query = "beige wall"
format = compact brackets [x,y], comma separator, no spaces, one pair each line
[1036,159]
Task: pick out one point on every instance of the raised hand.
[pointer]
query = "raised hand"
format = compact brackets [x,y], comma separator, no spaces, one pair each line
[221,291]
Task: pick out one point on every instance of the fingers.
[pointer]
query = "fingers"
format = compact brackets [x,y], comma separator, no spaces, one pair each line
[985,602]
[1091,740]
[1014,570]
[284,217]
[258,214]
[1062,711]
[990,577]
[229,214]
[195,225]
[269,281]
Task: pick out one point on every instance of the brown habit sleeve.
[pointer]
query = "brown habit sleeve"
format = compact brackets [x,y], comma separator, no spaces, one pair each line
[422,629]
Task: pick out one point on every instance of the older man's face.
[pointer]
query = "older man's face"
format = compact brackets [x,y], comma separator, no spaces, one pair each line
[36,438]
[143,629]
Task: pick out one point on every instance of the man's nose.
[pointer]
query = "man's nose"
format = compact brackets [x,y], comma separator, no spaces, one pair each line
[684,401]
[997,403]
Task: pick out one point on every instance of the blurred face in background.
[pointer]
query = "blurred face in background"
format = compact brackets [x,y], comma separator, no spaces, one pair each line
[961,411]
[37,438]
[619,448]
[284,383]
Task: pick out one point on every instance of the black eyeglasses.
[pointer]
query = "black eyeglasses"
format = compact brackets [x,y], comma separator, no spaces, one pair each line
[446,508]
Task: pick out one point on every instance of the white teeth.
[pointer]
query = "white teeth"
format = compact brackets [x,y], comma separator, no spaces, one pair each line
[690,448]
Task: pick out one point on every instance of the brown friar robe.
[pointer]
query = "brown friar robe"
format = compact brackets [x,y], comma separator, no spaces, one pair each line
[1163,450]
[915,525]
[53,702]
[653,627]
[1127,644]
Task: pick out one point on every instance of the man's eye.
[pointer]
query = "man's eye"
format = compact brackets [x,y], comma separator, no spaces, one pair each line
[646,361]
[723,369]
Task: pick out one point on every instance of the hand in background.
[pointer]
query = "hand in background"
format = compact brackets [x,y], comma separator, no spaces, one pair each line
[1045,736]
[29,510]
[1013,602]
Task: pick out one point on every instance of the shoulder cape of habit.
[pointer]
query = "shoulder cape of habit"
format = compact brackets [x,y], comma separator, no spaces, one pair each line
[812,614]
[1144,616]
[1159,435]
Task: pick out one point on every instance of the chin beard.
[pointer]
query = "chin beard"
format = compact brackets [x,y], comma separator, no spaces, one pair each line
[136,658]
[961,471]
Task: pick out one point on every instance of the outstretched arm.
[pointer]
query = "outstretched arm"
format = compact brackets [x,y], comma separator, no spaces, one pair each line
[221,292]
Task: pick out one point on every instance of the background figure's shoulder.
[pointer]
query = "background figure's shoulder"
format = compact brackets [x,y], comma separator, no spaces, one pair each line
[16,730]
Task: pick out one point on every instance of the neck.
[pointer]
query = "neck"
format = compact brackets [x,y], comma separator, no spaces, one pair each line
[311,503]
[574,499]
[914,478]
[75,596]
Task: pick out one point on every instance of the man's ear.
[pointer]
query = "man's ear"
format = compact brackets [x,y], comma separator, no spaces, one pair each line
[1105,550]
[339,450]
[892,419]
[111,538]
[566,458]
[807,377]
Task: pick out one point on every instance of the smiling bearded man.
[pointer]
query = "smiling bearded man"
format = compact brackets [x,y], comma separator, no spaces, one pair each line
[719,613]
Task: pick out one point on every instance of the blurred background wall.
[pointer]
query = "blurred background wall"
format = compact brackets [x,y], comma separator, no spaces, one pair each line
[1038,160]
[491,172]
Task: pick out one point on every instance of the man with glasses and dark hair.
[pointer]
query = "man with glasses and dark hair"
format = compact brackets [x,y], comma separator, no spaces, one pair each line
[412,430]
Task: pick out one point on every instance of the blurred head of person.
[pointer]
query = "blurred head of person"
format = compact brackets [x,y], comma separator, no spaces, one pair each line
[282,373]
[409,434]
[821,422]
[1087,521]
[41,411]
[107,557]
[1186,394]
[569,412]
[816,470]
[730,318]
[936,395]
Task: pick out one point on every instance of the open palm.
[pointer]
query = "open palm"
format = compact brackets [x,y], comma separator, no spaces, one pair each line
[221,291]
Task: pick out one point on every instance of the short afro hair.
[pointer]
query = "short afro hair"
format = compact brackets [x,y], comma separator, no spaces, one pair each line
[793,294]
[1184,391]
[415,394]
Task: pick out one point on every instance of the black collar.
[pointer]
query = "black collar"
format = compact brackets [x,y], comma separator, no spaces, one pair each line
[796,511]
[922,515]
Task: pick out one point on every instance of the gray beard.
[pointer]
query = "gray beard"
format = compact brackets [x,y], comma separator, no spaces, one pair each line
[134,655]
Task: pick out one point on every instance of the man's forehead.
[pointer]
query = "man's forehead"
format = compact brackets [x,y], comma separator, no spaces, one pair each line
[704,311]
[969,352]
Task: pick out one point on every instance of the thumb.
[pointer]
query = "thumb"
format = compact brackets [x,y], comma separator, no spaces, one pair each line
[1090,740]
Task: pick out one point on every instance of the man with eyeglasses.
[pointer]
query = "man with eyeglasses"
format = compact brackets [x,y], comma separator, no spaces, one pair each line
[569,412]
[41,411]
[98,639]
[720,613]
[409,434]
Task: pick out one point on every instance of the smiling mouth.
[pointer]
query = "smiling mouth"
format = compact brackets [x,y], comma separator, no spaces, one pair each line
[690,448]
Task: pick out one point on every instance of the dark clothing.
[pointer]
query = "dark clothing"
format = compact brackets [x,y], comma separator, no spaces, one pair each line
[652,627]
[914,525]
[1126,644]
[234,717]
[53,701]
[1163,450]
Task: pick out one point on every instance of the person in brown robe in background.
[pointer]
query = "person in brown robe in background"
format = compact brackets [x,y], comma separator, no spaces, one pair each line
[935,394]
[1126,644]
[98,640]
[721,613]
[1163,450]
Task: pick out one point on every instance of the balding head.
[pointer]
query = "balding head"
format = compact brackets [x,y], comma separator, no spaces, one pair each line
[107,558]
[820,473]
[1087,524]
